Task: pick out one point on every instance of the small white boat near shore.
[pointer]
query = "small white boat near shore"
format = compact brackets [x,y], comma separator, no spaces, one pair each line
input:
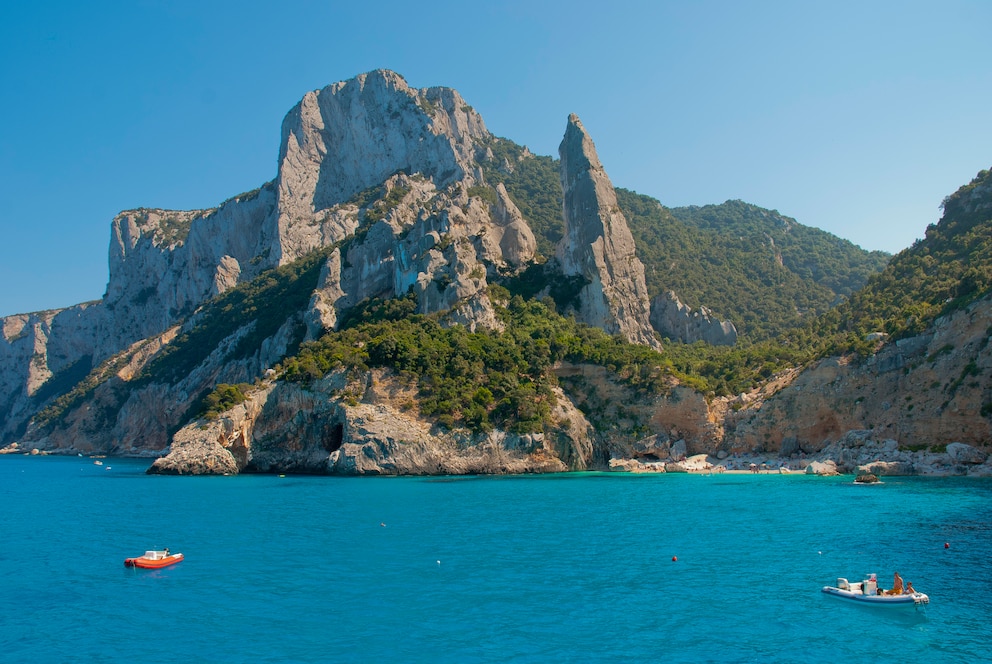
[868,593]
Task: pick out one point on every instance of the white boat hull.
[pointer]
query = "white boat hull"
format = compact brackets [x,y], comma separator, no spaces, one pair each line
[910,599]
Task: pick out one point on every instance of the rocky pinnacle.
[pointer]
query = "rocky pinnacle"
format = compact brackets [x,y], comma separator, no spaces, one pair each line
[597,244]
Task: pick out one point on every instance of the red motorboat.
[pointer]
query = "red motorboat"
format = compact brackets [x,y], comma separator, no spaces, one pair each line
[154,559]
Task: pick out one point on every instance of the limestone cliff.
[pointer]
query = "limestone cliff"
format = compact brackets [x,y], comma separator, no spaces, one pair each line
[337,142]
[677,321]
[924,391]
[597,244]
[43,354]
[441,245]
[381,193]
[354,135]
[166,263]
[287,428]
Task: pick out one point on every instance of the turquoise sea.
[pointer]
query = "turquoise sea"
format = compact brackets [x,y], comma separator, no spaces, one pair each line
[573,567]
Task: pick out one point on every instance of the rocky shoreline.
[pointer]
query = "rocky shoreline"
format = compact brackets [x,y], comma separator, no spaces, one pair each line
[856,454]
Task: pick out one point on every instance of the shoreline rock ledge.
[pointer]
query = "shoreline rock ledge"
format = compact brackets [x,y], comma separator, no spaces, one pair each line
[856,453]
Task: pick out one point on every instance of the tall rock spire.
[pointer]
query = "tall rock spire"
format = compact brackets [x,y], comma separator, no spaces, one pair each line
[598,246]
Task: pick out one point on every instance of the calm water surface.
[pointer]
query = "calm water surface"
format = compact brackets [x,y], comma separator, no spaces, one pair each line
[574,567]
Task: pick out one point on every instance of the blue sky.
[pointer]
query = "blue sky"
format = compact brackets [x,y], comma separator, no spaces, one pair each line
[854,117]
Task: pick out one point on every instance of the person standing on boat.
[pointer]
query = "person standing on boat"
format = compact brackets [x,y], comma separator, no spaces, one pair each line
[896,586]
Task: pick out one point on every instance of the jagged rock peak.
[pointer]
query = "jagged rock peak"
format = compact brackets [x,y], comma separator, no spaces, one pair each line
[578,150]
[678,321]
[597,244]
[355,134]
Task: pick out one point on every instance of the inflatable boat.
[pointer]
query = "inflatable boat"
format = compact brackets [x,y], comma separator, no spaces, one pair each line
[867,592]
[154,559]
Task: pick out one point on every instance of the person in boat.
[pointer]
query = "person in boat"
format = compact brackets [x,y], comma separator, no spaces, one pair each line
[896,585]
[909,588]
[166,552]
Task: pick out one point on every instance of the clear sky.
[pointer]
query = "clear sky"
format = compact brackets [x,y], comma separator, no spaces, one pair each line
[854,117]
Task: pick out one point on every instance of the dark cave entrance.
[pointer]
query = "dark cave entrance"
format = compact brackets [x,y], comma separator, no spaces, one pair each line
[335,437]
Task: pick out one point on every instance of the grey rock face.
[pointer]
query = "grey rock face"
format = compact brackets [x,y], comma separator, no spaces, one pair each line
[966,454]
[443,245]
[859,451]
[353,135]
[38,347]
[165,263]
[822,468]
[677,321]
[597,244]
[337,142]
[287,428]
[509,241]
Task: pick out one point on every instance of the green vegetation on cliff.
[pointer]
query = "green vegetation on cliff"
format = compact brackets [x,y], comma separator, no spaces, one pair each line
[776,279]
[487,379]
[223,398]
[477,380]
[535,187]
[763,271]
[949,268]
[257,309]
[809,253]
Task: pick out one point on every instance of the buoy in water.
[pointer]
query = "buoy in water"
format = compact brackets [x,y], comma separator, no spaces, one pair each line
[947,545]
[675,559]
